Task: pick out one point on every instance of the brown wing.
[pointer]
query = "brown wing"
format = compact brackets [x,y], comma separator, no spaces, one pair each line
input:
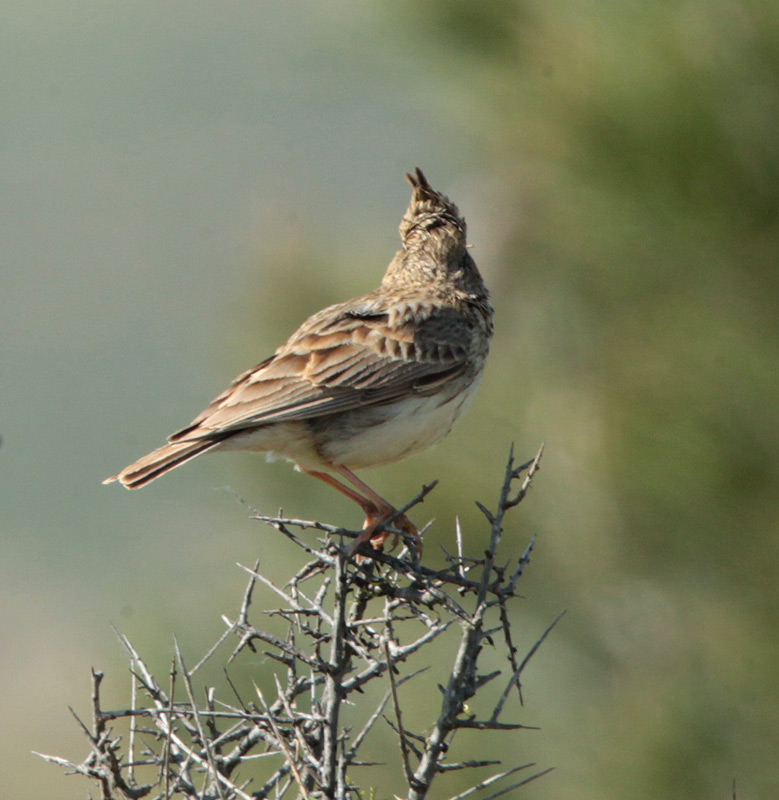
[347,356]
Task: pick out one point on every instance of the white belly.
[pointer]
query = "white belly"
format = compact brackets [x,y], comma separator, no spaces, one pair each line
[362,438]
[407,426]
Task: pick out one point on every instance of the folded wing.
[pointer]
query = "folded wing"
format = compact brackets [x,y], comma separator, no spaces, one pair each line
[339,360]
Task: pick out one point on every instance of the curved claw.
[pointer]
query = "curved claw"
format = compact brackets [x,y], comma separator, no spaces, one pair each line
[372,532]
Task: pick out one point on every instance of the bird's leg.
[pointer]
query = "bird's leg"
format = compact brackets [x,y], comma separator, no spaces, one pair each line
[384,511]
[375,513]
[368,506]
[376,509]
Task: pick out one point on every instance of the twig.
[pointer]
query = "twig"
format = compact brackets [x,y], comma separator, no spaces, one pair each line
[283,746]
[489,781]
[336,643]
[204,740]
[398,715]
[133,706]
[518,671]
[521,783]
[169,732]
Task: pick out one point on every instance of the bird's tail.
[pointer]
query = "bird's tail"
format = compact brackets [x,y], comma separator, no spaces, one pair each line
[160,461]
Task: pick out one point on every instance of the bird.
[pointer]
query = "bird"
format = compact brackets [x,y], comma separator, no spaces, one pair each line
[361,383]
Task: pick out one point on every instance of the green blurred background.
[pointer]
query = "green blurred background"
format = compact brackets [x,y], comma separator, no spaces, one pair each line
[183,182]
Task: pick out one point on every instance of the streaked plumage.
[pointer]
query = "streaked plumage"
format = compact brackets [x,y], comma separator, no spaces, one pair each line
[364,382]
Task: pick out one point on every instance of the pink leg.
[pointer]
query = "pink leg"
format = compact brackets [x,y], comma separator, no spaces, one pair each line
[378,500]
[385,511]
[369,507]
[377,510]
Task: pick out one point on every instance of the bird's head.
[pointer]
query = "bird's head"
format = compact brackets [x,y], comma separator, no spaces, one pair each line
[429,215]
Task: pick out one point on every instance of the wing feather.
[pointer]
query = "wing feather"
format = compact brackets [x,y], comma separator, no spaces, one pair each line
[340,359]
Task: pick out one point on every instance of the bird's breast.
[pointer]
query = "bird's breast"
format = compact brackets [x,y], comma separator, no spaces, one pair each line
[382,434]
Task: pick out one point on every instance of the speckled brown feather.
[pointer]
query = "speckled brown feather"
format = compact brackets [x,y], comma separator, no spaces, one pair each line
[423,333]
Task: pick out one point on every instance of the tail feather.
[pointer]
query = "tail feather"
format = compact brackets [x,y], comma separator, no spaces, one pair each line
[160,461]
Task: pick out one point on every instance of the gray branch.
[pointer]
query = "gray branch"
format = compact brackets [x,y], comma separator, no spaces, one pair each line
[350,625]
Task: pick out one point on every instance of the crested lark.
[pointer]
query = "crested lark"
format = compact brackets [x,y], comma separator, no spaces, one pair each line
[364,382]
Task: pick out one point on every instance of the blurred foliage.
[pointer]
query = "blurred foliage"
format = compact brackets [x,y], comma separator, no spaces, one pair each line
[633,158]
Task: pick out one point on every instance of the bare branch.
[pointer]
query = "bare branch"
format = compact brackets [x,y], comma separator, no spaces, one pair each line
[518,671]
[398,715]
[489,781]
[203,738]
[290,759]
[347,624]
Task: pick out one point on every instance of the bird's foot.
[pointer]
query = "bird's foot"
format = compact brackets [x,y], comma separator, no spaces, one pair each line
[374,532]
